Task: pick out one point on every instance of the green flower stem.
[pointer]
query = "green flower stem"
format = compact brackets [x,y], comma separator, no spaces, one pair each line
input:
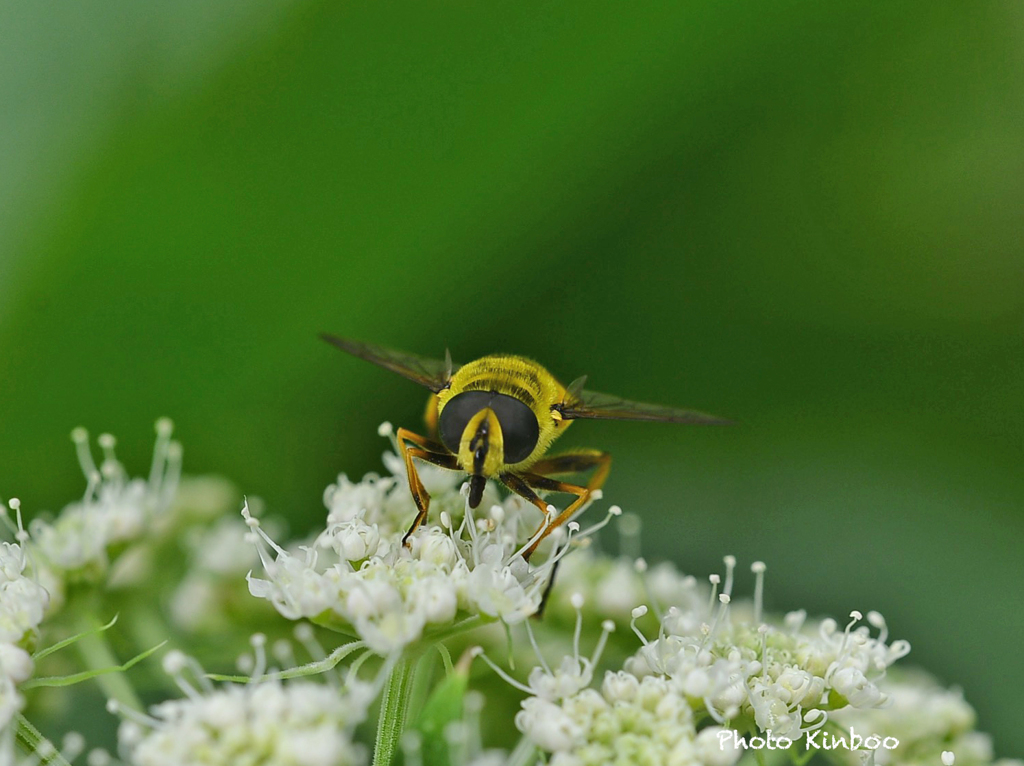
[97,655]
[393,709]
[401,690]
[31,739]
[525,753]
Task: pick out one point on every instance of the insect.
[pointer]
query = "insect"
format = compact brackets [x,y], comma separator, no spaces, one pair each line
[497,417]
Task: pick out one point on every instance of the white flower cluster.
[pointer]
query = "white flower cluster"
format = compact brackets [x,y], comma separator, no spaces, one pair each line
[23,603]
[928,719]
[357,577]
[114,510]
[711,660]
[119,519]
[294,723]
[787,676]
[629,720]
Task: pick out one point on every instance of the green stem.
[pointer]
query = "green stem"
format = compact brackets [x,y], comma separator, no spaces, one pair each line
[525,753]
[393,708]
[31,739]
[97,655]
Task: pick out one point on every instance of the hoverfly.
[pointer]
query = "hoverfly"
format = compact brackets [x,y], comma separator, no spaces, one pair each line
[496,418]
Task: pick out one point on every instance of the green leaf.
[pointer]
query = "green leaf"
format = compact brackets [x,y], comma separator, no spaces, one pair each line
[309,669]
[85,675]
[444,706]
[69,641]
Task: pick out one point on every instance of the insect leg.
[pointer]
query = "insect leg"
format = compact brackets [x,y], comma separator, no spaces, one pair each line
[551,485]
[516,483]
[524,484]
[521,485]
[403,434]
[547,592]
[419,493]
[577,462]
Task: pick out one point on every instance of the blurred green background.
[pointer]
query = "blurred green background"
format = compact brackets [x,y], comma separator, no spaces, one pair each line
[805,216]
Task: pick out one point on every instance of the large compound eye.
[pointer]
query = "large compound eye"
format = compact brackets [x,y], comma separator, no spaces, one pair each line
[456,416]
[519,429]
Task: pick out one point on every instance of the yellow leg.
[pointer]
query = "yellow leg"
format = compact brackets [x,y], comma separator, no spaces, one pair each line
[430,452]
[517,484]
[574,462]
[524,484]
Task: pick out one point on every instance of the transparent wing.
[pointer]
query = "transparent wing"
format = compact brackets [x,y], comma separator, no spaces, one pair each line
[590,404]
[431,373]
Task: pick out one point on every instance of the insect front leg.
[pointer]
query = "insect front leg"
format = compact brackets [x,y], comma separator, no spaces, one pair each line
[430,452]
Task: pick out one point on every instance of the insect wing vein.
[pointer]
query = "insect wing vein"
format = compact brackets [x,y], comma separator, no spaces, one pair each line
[597,406]
[431,373]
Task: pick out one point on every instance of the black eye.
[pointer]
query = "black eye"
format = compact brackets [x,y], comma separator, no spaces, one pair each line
[519,429]
[457,414]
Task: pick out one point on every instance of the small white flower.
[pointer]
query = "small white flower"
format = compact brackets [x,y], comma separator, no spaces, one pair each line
[11,703]
[436,548]
[794,686]
[15,662]
[346,499]
[710,750]
[438,602]
[620,686]
[23,601]
[569,678]
[548,725]
[858,690]
[352,540]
